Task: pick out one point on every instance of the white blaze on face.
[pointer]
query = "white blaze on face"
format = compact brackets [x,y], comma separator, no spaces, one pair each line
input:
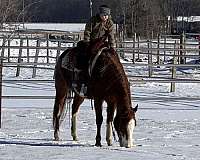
[128,141]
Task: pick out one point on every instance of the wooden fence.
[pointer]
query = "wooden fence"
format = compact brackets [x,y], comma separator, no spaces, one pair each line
[31,50]
[155,52]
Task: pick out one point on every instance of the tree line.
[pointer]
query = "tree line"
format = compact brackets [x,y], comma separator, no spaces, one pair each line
[141,16]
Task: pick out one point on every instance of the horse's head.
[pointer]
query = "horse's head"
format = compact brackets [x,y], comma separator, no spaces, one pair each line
[124,125]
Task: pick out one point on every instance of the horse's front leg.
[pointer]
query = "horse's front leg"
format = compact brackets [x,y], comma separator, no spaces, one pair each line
[99,119]
[75,107]
[110,115]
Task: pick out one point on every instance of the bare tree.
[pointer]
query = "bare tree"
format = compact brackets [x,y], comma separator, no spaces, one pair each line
[8,10]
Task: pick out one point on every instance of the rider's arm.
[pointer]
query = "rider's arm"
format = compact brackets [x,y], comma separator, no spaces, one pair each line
[111,39]
[88,31]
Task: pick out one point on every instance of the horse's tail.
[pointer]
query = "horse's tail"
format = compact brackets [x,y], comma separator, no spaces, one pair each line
[61,94]
[59,60]
[58,66]
[59,113]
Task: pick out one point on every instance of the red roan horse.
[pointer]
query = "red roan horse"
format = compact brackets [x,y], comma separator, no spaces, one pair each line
[107,82]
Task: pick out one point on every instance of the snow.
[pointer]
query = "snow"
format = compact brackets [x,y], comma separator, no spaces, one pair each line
[189,19]
[165,130]
[59,26]
[168,124]
[70,27]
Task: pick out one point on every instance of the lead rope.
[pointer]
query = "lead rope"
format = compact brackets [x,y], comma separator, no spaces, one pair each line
[66,109]
[92,106]
[71,96]
[68,106]
[113,131]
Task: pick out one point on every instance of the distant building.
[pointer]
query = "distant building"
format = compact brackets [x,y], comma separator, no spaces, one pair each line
[186,24]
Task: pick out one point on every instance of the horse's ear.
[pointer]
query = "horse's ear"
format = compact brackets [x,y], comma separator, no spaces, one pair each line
[136,108]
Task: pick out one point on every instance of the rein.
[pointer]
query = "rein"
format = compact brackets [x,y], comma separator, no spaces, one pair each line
[113,131]
[91,67]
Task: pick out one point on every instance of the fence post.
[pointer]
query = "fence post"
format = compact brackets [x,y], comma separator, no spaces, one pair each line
[134,40]
[1,68]
[121,45]
[8,50]
[199,47]
[165,42]
[36,58]
[182,43]
[19,57]
[138,46]
[28,54]
[47,49]
[174,61]
[199,50]
[3,45]
[58,50]
[158,51]
[150,59]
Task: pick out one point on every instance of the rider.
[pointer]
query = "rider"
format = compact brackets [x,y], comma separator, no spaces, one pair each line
[95,28]
[100,24]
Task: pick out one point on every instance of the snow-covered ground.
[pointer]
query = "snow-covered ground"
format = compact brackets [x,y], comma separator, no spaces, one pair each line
[70,27]
[168,124]
[167,129]
[59,26]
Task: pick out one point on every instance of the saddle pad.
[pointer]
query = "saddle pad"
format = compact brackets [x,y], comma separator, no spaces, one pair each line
[68,61]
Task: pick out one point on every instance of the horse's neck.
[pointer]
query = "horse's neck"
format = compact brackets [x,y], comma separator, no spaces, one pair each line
[125,98]
[122,84]
[97,45]
[124,105]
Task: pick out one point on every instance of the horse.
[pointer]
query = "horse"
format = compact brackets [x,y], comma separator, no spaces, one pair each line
[107,82]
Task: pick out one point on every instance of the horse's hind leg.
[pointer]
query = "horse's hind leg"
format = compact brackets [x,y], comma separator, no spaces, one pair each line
[75,106]
[59,104]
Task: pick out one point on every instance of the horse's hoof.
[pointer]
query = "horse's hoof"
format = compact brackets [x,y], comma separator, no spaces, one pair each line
[98,145]
[56,138]
[75,138]
[109,142]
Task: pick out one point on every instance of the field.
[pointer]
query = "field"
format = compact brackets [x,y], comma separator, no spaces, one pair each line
[168,124]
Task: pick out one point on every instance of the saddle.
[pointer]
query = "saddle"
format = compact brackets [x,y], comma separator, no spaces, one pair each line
[77,59]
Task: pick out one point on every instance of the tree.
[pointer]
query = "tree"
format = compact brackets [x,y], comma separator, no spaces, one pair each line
[9,9]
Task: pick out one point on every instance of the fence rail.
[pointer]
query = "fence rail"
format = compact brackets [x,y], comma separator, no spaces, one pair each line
[160,50]
[137,48]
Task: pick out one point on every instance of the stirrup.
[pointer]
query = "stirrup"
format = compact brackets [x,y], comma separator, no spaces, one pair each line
[83,90]
[74,85]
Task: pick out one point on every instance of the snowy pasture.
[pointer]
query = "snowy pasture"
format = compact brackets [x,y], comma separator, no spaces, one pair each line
[167,129]
[168,124]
